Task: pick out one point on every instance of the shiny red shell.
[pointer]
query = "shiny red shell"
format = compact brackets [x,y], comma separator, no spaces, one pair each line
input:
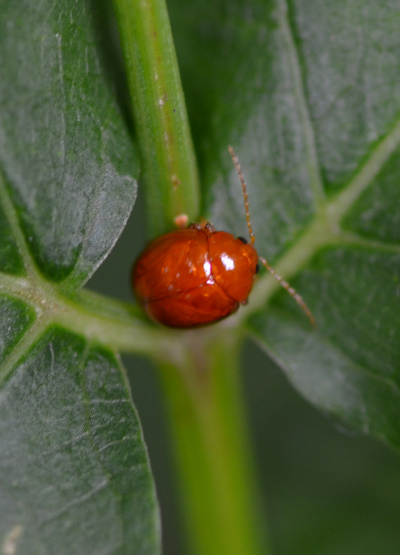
[194,276]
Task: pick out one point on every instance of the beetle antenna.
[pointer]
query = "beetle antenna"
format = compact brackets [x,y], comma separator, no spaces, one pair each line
[264,262]
[289,289]
[235,160]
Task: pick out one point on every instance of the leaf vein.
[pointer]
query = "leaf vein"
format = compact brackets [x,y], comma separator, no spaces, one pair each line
[314,170]
[344,201]
[21,348]
[20,240]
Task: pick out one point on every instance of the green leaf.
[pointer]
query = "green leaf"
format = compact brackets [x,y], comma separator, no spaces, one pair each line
[10,258]
[62,138]
[75,476]
[74,469]
[308,94]
[16,319]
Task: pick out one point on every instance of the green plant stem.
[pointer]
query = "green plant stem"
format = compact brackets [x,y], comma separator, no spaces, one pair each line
[219,499]
[170,172]
[203,390]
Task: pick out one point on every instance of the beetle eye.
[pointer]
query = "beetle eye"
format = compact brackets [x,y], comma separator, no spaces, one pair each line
[243,240]
[257,268]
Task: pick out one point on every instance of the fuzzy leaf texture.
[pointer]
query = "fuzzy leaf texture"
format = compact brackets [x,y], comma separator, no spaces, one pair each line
[75,477]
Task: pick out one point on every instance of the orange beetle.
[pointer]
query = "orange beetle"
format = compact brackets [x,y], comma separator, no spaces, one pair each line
[197,275]
[194,276]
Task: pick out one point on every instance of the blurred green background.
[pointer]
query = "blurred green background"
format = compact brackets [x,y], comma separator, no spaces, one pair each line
[325,490]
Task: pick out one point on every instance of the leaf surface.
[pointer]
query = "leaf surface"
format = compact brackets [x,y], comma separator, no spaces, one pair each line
[81,482]
[308,94]
[65,152]
[75,476]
